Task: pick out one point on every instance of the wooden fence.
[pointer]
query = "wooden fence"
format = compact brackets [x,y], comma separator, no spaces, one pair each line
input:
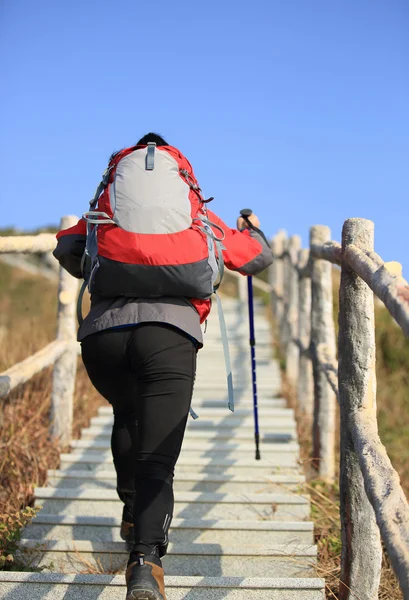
[373,504]
[63,351]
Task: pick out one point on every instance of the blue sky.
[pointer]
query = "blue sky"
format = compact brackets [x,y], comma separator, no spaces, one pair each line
[297,109]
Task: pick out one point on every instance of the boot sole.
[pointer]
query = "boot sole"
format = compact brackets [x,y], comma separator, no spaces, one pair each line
[142,594]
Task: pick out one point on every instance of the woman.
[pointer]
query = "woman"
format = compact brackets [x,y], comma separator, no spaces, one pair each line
[140,355]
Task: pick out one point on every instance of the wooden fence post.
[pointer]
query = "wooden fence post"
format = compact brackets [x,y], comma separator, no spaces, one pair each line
[293,352]
[322,334]
[272,279]
[305,392]
[361,547]
[286,265]
[65,368]
[278,277]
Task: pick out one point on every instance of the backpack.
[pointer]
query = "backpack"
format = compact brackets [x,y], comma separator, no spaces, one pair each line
[148,234]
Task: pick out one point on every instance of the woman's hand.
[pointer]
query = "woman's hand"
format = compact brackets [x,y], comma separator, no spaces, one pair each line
[242,224]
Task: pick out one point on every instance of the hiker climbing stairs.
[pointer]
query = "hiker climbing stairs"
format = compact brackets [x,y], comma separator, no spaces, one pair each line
[241,527]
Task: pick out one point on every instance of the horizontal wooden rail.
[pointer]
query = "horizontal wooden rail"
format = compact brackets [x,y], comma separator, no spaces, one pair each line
[386,285]
[330,251]
[26,369]
[33,244]
[63,352]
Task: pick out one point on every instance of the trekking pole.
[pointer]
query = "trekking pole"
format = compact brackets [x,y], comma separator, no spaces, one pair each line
[245,213]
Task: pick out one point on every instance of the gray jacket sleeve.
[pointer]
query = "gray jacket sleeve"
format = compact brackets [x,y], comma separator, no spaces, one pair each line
[69,251]
[262,260]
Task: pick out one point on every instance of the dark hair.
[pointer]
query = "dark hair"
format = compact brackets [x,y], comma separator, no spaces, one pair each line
[149,137]
[152,137]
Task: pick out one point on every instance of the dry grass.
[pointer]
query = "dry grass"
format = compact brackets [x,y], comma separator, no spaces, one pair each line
[393,405]
[325,514]
[28,308]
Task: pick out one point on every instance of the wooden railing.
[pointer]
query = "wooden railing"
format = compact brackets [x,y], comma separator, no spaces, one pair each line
[63,351]
[372,503]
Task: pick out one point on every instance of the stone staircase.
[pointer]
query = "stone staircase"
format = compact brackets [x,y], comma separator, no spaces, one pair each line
[241,527]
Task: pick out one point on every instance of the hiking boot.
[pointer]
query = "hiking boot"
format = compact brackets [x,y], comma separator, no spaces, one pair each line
[145,580]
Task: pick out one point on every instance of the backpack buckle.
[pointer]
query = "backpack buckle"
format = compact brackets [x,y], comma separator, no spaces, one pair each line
[150,156]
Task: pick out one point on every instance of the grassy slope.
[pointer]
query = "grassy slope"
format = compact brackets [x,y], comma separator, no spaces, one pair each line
[28,307]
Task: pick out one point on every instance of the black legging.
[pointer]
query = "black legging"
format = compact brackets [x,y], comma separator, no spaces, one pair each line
[147,374]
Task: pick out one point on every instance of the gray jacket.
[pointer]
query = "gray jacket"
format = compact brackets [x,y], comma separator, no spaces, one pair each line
[108,313]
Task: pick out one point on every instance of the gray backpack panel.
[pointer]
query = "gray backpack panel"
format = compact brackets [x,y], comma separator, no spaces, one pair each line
[152,201]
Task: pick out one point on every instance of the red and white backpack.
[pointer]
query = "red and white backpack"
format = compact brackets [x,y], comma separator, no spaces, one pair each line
[147,229]
[148,234]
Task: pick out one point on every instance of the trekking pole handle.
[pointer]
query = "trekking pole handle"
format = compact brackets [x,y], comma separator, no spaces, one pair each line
[246,213]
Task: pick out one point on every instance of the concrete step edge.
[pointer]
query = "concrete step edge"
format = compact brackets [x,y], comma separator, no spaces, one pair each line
[283,550]
[103,432]
[171,582]
[196,477]
[230,423]
[207,461]
[203,445]
[50,493]
[219,412]
[209,524]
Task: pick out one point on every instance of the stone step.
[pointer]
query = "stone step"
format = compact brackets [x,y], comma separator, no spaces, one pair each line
[213,352]
[239,404]
[191,446]
[228,422]
[212,362]
[188,461]
[182,559]
[241,394]
[237,337]
[91,461]
[267,388]
[53,586]
[208,385]
[263,375]
[282,507]
[278,459]
[106,529]
[220,412]
[241,369]
[104,431]
[186,482]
